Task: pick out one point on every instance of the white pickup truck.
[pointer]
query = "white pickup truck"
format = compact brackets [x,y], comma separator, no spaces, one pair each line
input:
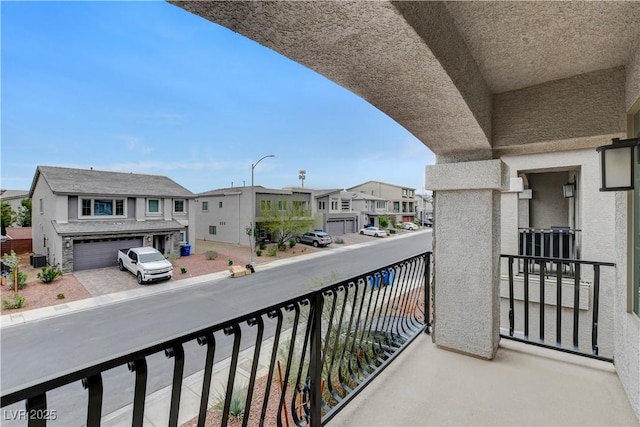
[146,263]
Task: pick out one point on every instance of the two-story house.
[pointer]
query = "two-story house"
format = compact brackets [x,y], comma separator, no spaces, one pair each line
[82,217]
[401,199]
[424,207]
[225,214]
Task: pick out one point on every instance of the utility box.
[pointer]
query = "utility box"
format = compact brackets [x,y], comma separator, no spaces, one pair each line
[39,261]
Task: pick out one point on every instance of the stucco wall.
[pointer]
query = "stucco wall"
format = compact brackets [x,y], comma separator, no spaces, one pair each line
[41,222]
[548,207]
[586,105]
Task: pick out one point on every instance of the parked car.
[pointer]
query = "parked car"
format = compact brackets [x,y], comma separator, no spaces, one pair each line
[315,238]
[409,226]
[147,264]
[373,231]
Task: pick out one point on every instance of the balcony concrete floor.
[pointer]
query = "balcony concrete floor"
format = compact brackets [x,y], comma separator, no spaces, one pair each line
[523,385]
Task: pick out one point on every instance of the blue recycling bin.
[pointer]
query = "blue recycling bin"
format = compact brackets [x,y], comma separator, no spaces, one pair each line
[185,250]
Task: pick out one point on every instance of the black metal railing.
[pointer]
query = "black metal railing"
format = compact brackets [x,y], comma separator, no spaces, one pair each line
[555,242]
[317,352]
[550,272]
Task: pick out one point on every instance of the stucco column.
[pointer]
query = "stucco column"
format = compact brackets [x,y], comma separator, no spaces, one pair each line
[466,246]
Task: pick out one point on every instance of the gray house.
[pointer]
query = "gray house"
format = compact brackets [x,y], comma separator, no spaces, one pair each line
[224,215]
[82,217]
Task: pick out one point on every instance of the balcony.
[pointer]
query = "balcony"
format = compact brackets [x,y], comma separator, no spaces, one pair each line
[356,352]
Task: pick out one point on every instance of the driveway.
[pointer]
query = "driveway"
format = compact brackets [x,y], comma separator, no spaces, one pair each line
[102,281]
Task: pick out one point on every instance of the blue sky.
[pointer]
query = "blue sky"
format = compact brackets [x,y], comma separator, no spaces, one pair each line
[147,87]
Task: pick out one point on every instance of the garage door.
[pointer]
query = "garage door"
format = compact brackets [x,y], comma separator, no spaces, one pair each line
[339,227]
[100,254]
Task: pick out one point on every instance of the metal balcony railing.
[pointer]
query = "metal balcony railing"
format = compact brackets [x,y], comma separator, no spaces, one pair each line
[327,345]
[532,308]
[555,242]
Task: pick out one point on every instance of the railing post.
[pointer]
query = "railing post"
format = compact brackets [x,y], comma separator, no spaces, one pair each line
[35,405]
[596,305]
[511,314]
[576,306]
[315,365]
[427,293]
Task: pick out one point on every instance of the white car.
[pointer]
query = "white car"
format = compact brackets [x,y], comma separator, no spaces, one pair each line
[409,226]
[373,231]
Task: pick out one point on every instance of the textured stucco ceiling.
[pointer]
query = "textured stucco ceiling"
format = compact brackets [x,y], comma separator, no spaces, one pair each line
[521,44]
[434,66]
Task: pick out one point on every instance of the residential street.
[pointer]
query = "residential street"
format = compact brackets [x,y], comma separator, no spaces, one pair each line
[43,349]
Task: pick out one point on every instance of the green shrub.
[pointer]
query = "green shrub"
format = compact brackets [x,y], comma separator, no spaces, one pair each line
[212,255]
[60,296]
[183,270]
[230,261]
[292,242]
[272,251]
[282,246]
[49,274]
[392,231]
[259,252]
[16,301]
[263,246]
[238,402]
[22,280]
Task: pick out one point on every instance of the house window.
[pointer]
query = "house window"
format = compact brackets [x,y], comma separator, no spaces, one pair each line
[334,205]
[282,205]
[205,206]
[220,205]
[178,206]
[380,204]
[86,207]
[102,207]
[183,237]
[265,205]
[396,206]
[212,229]
[120,207]
[320,205]
[346,205]
[153,206]
[41,206]
[300,206]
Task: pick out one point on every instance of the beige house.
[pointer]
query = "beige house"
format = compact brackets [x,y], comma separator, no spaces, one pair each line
[513,98]
[401,199]
[224,215]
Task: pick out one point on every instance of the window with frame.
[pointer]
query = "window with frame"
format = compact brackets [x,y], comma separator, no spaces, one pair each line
[265,205]
[178,206]
[321,205]
[334,205]
[346,205]
[212,230]
[102,207]
[300,205]
[41,206]
[220,205]
[205,206]
[282,205]
[396,206]
[183,237]
[153,206]
[381,204]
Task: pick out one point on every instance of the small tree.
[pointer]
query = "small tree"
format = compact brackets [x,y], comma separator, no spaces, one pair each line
[24,213]
[286,223]
[9,216]
[12,261]
[384,221]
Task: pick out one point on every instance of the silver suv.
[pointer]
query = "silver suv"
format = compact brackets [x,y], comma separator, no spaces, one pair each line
[315,238]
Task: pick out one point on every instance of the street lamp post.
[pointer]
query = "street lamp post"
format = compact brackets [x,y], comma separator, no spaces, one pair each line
[252,238]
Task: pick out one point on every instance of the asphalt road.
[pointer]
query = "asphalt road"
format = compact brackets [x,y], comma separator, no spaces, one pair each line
[35,351]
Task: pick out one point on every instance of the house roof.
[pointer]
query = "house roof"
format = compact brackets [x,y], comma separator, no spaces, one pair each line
[258,188]
[323,193]
[114,227]
[95,182]
[13,194]
[18,233]
[379,182]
